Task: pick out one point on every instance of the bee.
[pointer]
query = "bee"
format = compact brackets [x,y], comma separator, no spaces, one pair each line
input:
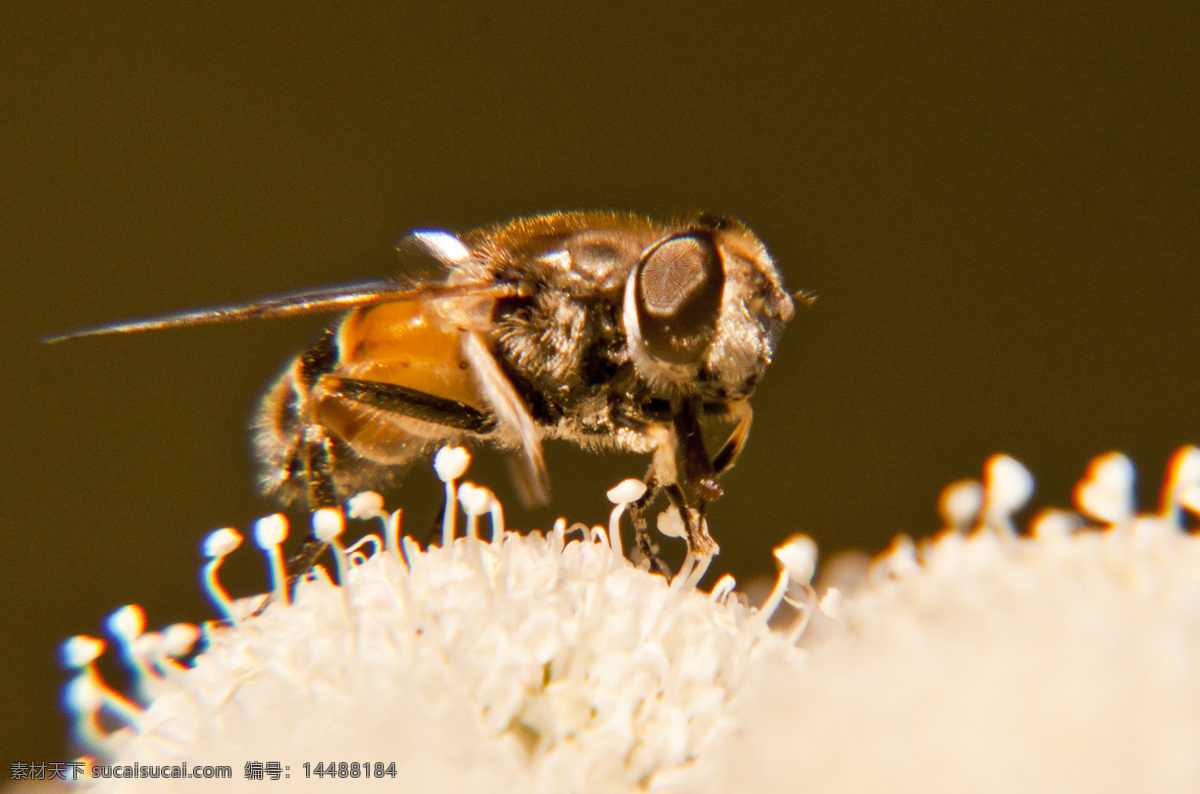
[609,330]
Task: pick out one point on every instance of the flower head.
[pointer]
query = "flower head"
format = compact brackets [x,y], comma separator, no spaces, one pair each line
[981,660]
[538,662]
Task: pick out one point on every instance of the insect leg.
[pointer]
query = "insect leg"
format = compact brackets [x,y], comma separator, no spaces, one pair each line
[699,470]
[322,493]
[728,454]
[661,470]
[647,549]
[698,466]
[318,465]
[402,400]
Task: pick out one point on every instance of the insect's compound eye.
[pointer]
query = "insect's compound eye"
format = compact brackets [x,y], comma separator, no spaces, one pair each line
[678,296]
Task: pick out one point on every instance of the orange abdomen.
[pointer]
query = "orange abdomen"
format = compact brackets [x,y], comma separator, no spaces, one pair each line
[408,344]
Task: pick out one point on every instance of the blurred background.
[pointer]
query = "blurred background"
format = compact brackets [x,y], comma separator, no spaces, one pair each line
[997,209]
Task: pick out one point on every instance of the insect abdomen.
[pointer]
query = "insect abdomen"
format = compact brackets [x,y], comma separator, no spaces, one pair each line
[407,344]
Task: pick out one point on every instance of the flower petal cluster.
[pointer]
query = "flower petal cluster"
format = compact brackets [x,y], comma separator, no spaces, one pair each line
[528,663]
[983,661]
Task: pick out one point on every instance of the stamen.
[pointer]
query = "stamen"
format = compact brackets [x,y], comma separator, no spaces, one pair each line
[558,535]
[127,623]
[1007,487]
[450,463]
[178,641]
[81,650]
[804,608]
[1054,526]
[960,504]
[83,697]
[365,506]
[145,652]
[269,533]
[1106,492]
[722,589]
[357,553]
[475,502]
[327,525]
[682,579]
[496,516]
[217,546]
[622,495]
[698,571]
[391,534]
[1183,472]
[831,603]
[86,694]
[598,535]
[799,557]
[670,523]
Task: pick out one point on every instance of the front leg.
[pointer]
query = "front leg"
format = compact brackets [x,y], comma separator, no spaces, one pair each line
[661,470]
[322,493]
[740,410]
[663,475]
[698,468]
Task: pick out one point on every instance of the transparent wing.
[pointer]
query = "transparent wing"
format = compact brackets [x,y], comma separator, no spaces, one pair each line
[529,469]
[314,301]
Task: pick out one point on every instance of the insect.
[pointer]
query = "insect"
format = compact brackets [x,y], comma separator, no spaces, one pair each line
[606,329]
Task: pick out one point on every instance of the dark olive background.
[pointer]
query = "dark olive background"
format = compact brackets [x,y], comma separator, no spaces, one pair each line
[997,208]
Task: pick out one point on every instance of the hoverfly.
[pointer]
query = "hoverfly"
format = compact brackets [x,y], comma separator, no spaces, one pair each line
[607,329]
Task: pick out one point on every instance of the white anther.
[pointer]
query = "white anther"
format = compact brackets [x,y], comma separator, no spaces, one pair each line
[81,650]
[670,523]
[799,557]
[622,495]
[217,546]
[365,505]
[450,463]
[475,501]
[1106,493]
[831,603]
[960,504]
[1009,485]
[1187,465]
[127,623]
[327,524]
[179,639]
[627,492]
[221,542]
[270,531]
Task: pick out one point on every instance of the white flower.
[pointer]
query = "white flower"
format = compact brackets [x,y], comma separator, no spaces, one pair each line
[1063,661]
[531,663]
[980,660]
